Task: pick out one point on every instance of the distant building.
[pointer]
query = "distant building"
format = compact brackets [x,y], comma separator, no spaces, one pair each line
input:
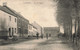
[51,30]
[42,30]
[32,30]
[38,27]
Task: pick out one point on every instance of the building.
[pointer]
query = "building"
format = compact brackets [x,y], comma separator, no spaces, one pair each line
[42,30]
[54,31]
[32,30]
[12,22]
[8,22]
[22,25]
[38,27]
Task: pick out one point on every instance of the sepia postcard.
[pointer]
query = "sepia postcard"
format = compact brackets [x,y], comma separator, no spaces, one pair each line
[39,24]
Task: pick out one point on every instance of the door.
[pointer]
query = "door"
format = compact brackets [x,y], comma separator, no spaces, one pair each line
[10,32]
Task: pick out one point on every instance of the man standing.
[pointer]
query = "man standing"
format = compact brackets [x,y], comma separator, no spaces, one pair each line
[42,36]
[37,35]
[47,35]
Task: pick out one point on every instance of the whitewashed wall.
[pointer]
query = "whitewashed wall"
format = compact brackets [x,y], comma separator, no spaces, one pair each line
[32,30]
[4,17]
[38,27]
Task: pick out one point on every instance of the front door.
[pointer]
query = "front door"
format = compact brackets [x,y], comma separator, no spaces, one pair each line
[9,31]
[12,32]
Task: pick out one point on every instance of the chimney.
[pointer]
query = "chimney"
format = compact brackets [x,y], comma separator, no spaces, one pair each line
[5,4]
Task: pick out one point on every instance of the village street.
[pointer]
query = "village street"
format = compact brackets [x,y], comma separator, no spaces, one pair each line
[39,44]
[22,22]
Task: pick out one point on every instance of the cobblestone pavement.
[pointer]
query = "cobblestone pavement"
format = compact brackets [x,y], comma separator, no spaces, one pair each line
[39,44]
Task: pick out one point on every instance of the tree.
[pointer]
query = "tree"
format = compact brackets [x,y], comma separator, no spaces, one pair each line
[64,17]
[76,7]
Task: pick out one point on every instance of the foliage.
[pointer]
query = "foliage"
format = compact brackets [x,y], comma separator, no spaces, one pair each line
[64,12]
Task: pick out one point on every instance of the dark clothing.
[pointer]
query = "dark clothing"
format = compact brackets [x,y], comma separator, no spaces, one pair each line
[37,35]
[42,36]
[47,36]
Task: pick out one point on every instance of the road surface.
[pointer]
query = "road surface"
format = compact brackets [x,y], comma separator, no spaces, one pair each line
[39,44]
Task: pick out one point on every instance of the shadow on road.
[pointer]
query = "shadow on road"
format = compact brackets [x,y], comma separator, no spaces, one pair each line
[8,42]
[53,40]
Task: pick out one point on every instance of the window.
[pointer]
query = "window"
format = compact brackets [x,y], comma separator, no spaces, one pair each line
[15,19]
[10,18]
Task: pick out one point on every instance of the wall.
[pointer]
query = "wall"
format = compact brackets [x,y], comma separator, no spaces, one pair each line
[38,27]
[5,21]
[32,30]
[54,31]
[22,26]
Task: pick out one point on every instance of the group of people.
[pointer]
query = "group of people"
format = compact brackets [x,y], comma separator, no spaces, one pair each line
[47,35]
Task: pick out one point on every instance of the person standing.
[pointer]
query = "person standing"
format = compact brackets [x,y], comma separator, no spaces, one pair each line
[47,35]
[37,35]
[42,36]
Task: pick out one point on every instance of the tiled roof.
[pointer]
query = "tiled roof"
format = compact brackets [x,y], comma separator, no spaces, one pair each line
[33,26]
[11,11]
[51,28]
[7,10]
[19,15]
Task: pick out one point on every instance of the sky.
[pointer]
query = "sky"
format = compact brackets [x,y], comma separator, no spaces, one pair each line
[41,11]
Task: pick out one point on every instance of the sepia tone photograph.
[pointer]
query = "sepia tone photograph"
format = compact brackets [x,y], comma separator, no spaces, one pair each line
[39,25]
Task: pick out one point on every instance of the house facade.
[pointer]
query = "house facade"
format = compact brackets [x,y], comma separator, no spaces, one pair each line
[38,27]
[22,26]
[53,31]
[8,22]
[32,30]
[12,23]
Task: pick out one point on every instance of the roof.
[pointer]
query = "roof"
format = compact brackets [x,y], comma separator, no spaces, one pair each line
[11,11]
[18,14]
[7,10]
[33,26]
[51,28]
